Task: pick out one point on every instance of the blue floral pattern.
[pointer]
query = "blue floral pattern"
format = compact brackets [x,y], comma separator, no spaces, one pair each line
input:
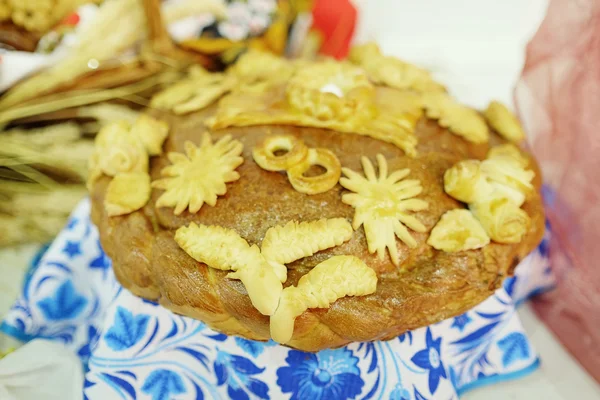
[329,374]
[238,373]
[253,347]
[461,321]
[133,348]
[400,393]
[65,303]
[430,358]
[127,330]
[162,383]
[514,347]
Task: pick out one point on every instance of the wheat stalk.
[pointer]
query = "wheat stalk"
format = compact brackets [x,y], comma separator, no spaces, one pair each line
[32,228]
[105,113]
[34,204]
[59,133]
[31,213]
[80,98]
[60,147]
[59,201]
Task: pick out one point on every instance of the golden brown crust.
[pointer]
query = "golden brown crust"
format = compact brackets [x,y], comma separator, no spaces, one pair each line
[427,286]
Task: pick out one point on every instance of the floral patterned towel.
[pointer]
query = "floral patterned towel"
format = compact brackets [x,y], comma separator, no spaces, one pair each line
[135,349]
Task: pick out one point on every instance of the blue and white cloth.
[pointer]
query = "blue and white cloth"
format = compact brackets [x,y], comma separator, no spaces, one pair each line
[136,349]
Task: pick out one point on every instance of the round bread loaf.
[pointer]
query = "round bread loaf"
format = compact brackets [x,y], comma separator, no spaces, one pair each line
[423,285]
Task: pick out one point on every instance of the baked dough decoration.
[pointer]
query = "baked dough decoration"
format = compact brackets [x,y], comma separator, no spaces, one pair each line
[510,152]
[330,90]
[224,249]
[263,89]
[127,192]
[320,183]
[341,97]
[458,230]
[327,94]
[392,72]
[125,147]
[261,272]
[508,178]
[504,122]
[255,66]
[200,175]
[296,161]
[201,88]
[382,204]
[117,150]
[502,219]
[460,120]
[337,277]
[122,151]
[152,132]
[293,241]
[198,90]
[494,189]
[264,154]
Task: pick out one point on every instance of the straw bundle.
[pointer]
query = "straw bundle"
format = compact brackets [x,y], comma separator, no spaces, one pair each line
[49,120]
[35,214]
[43,170]
[54,115]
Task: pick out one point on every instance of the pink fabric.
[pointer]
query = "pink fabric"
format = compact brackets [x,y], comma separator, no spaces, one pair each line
[558,98]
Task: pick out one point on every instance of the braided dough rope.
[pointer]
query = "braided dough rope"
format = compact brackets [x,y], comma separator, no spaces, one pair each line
[297,161]
[261,272]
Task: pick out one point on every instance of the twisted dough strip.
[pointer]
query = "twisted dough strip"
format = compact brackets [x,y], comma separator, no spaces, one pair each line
[297,161]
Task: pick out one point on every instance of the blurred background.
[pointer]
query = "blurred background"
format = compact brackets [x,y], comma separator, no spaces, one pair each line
[68,67]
